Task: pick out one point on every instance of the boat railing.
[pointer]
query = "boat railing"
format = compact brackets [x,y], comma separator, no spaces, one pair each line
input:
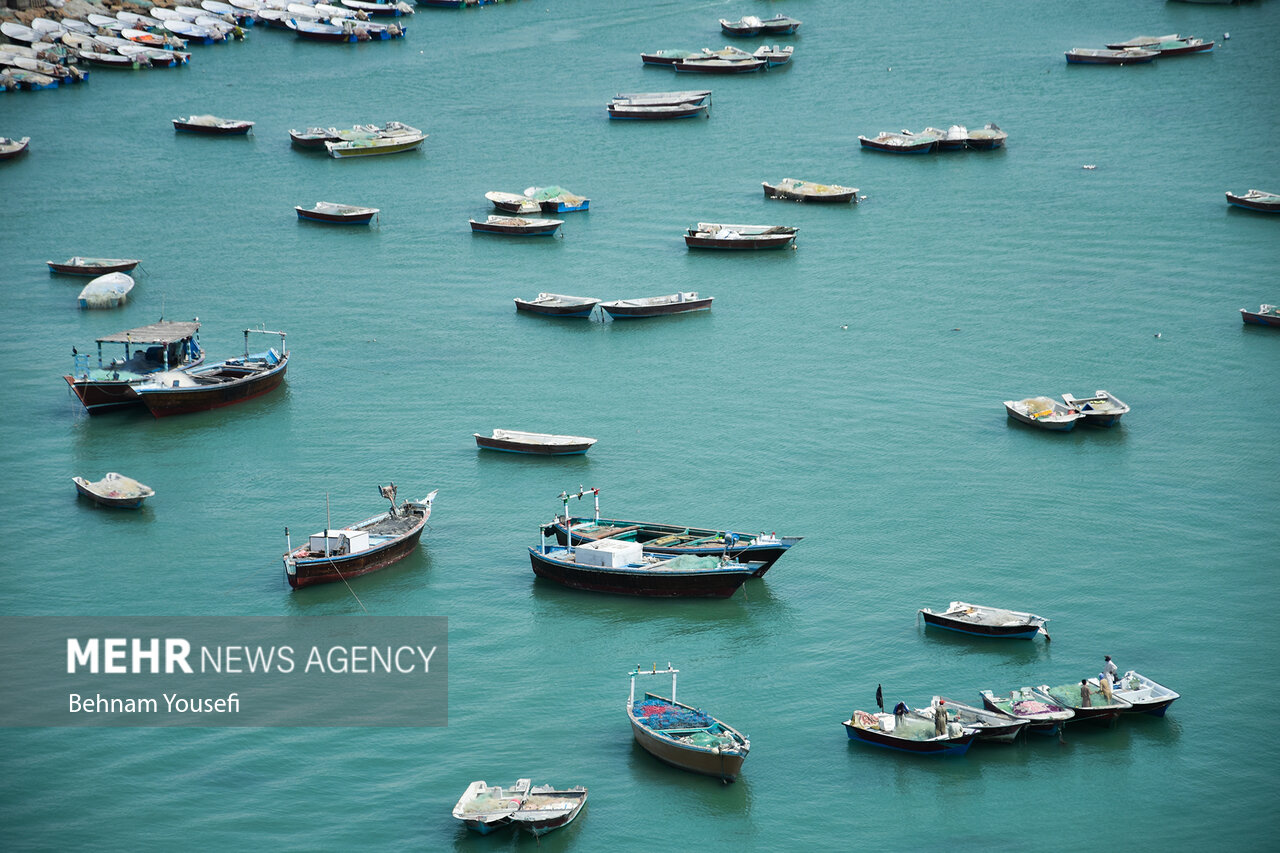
[670,670]
[283,348]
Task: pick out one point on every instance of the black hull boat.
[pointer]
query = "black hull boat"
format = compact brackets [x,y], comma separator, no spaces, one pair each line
[607,565]
[212,386]
[981,621]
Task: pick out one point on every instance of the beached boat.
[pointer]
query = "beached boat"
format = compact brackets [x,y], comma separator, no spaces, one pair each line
[760,550]
[106,291]
[536,443]
[517,226]
[149,349]
[334,555]
[904,142]
[656,306]
[558,305]
[1143,695]
[662,99]
[627,109]
[751,25]
[775,55]
[983,621]
[717,65]
[344,32]
[556,199]
[682,735]
[149,39]
[20,33]
[1255,200]
[987,138]
[114,490]
[102,59]
[536,809]
[1266,315]
[715,235]
[1101,708]
[513,203]
[1102,409]
[193,33]
[1043,412]
[211,386]
[92,266]
[1170,45]
[797,190]
[10,148]
[212,125]
[152,56]
[379,10]
[993,726]
[19,78]
[909,733]
[391,138]
[1128,56]
[1043,715]
[339,214]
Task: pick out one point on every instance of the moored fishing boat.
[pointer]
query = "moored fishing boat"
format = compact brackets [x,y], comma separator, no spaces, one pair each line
[761,550]
[1143,695]
[335,555]
[106,291]
[10,148]
[656,306]
[1043,412]
[955,138]
[486,808]
[517,226]
[338,214]
[379,10]
[987,138]
[212,386]
[797,190]
[1043,714]
[535,443]
[982,621]
[114,490]
[1170,45]
[547,808]
[1263,202]
[774,56]
[513,203]
[688,96]
[623,568]
[684,736]
[1098,708]
[992,726]
[92,266]
[313,137]
[558,305]
[1102,409]
[149,349]
[556,199]
[716,65]
[668,57]
[391,138]
[212,125]
[716,235]
[904,142]
[1267,315]
[654,110]
[1128,56]
[752,25]
[101,59]
[910,733]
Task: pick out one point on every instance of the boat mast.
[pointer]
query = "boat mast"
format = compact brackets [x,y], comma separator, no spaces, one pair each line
[328,520]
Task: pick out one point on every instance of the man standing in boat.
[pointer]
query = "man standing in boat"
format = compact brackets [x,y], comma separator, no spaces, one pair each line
[940,718]
[1109,670]
[1086,701]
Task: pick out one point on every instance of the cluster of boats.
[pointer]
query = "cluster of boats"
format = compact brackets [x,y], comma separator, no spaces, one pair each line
[551,199]
[955,138]
[362,140]
[726,60]
[1102,410]
[1139,49]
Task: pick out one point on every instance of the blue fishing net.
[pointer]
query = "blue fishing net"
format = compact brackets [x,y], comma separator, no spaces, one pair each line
[660,715]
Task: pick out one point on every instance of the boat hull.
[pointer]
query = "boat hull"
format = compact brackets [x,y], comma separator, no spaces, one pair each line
[649,584]
[1008,632]
[309,572]
[163,402]
[949,746]
[760,556]
[1256,318]
[770,241]
[334,218]
[639,312]
[117,503]
[1041,423]
[515,230]
[556,310]
[1267,206]
[773,191]
[338,151]
[713,66]
[207,130]
[657,113]
[508,446]
[725,767]
[73,269]
[913,148]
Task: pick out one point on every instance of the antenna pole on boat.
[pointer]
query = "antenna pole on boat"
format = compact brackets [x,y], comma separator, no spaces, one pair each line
[328,522]
[673,680]
[288,543]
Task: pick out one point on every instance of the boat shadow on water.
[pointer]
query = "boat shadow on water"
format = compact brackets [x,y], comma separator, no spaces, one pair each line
[376,592]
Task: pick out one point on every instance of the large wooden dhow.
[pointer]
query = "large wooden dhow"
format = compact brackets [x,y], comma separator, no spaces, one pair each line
[760,550]
[158,348]
[341,554]
[684,736]
[212,386]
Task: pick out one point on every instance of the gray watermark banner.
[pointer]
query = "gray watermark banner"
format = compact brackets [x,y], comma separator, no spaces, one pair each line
[342,670]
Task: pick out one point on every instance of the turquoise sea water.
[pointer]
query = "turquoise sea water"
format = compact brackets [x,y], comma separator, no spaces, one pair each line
[964,280]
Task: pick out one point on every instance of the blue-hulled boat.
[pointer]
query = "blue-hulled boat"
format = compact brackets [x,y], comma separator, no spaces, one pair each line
[981,621]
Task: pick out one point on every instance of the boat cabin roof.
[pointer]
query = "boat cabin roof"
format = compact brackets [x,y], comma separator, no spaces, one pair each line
[156,333]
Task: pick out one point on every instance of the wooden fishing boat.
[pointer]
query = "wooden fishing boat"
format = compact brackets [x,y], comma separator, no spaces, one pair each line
[761,551]
[558,305]
[100,59]
[1043,412]
[715,235]
[10,148]
[20,33]
[751,25]
[660,99]
[656,306]
[623,109]
[622,568]
[954,138]
[774,56]
[1100,710]
[797,190]
[547,808]
[149,349]
[92,266]
[151,56]
[536,443]
[313,137]
[517,226]
[1101,410]
[987,138]
[334,555]
[106,291]
[1267,315]
[391,138]
[982,621]
[212,386]
[668,57]
[212,125]
[193,33]
[513,203]
[909,734]
[904,142]
[710,65]
[1143,695]
[682,735]
[1255,200]
[486,808]
[1043,715]
[316,30]
[114,490]
[992,726]
[1128,56]
[1170,45]
[556,199]
[337,214]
